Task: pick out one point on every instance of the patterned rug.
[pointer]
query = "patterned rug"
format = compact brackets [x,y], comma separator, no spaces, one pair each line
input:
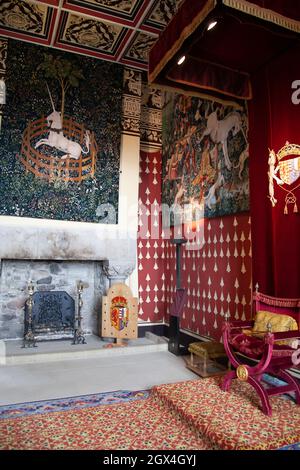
[137,422]
[71,403]
[232,421]
[193,415]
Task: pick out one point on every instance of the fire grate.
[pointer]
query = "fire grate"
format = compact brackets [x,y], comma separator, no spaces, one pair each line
[51,315]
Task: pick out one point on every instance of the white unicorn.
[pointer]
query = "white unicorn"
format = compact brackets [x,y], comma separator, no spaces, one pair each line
[219,130]
[57,139]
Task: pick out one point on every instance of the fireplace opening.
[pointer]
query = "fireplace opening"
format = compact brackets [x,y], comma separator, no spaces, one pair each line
[50,316]
[49,276]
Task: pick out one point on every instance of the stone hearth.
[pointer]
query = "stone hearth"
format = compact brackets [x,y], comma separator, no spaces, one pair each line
[12,353]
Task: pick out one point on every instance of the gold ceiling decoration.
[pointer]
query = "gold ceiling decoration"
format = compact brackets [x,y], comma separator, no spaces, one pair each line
[116,30]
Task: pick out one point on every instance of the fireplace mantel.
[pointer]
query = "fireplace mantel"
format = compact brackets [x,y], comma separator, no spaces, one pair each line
[60,254]
[35,239]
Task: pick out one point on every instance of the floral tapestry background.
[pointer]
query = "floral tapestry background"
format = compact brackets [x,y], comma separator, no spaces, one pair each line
[60,141]
[205,155]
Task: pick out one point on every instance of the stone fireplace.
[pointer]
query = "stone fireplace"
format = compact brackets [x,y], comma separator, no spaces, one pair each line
[55,256]
[49,275]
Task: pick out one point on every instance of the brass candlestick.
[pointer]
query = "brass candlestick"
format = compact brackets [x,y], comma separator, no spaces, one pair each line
[29,339]
[78,333]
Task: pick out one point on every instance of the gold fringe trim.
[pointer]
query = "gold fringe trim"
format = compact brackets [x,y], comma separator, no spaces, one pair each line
[217,90]
[188,30]
[173,89]
[264,14]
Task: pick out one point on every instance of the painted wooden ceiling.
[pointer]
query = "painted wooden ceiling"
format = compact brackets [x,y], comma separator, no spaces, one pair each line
[116,30]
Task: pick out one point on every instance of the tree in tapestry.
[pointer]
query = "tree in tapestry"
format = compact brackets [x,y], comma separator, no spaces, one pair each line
[60,138]
[205,155]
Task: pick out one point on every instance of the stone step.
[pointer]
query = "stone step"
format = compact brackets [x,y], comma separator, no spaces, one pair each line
[12,352]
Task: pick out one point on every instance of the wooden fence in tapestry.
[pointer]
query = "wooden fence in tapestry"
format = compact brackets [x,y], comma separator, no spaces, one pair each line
[52,167]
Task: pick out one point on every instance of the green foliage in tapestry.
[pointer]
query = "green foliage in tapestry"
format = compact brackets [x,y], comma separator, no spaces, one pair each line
[42,180]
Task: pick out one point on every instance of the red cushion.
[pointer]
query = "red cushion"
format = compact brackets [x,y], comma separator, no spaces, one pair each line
[248,345]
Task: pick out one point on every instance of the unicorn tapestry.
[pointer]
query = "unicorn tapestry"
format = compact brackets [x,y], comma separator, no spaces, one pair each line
[60,136]
[205,155]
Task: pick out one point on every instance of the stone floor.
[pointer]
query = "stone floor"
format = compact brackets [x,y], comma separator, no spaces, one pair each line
[138,366]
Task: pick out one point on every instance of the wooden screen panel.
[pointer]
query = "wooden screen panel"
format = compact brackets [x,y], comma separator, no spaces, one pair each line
[119,313]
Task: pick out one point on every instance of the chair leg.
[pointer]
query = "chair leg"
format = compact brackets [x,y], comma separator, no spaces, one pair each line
[266,407]
[205,363]
[291,381]
[226,382]
[192,359]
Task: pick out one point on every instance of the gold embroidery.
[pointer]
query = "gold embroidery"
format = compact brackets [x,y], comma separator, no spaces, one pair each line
[264,14]
[289,172]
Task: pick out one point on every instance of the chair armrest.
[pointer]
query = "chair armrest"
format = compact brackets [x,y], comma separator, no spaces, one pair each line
[286,335]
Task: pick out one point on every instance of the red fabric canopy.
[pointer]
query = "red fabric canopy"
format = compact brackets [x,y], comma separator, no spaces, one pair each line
[248,35]
[212,78]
